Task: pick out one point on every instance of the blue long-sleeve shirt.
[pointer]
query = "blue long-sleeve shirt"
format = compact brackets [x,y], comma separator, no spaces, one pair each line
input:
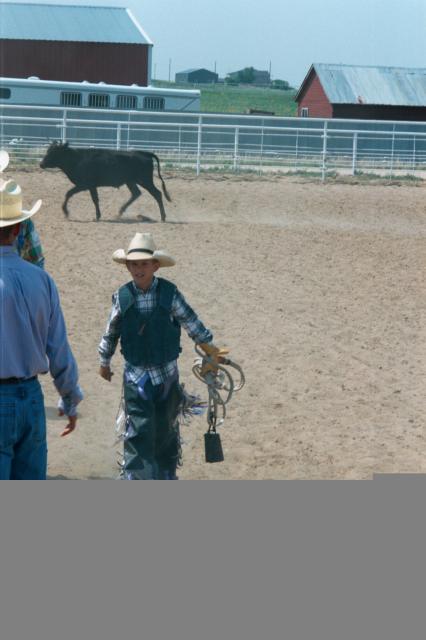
[33,337]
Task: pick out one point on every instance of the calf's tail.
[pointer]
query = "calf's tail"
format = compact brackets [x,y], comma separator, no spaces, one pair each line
[166,193]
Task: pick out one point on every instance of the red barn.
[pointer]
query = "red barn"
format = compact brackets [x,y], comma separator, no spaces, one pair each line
[73,43]
[373,93]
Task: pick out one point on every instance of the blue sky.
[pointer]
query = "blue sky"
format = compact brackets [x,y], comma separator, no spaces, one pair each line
[284,35]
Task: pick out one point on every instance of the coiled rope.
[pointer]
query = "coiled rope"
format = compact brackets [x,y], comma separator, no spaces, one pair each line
[220,383]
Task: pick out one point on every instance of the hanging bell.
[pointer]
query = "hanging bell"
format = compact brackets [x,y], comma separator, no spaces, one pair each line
[213,447]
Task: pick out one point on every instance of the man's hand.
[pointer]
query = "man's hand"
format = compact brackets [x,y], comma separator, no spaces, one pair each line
[105,373]
[215,354]
[72,423]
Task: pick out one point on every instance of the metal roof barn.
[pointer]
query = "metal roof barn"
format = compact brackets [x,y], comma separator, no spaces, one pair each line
[70,23]
[197,75]
[73,43]
[336,90]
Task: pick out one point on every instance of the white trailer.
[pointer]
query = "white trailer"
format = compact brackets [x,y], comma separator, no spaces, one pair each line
[87,95]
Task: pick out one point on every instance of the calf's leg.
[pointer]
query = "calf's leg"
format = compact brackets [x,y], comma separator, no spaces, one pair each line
[135,194]
[69,195]
[95,198]
[152,189]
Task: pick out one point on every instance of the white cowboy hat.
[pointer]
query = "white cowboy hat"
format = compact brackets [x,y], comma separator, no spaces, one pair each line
[142,247]
[11,211]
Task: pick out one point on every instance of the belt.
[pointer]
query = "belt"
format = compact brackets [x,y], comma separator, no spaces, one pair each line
[16,380]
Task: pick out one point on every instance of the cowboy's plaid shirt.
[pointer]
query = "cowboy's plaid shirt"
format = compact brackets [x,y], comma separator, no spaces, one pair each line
[28,244]
[146,302]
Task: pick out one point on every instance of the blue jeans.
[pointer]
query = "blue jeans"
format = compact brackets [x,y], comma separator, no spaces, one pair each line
[23,446]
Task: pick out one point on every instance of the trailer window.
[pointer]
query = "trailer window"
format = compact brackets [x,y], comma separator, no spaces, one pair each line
[4,93]
[70,99]
[100,100]
[153,104]
[126,102]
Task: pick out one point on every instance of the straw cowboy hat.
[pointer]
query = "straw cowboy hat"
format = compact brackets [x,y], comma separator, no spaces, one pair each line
[11,211]
[142,247]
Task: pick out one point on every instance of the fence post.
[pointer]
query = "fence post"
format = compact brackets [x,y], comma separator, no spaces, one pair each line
[64,127]
[128,132]
[118,141]
[237,135]
[324,152]
[414,153]
[200,131]
[393,151]
[296,165]
[354,152]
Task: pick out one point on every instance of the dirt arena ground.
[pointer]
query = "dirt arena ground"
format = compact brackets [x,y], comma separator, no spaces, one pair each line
[317,289]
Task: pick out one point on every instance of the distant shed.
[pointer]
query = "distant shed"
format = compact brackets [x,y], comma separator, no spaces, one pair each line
[197,76]
[74,43]
[363,92]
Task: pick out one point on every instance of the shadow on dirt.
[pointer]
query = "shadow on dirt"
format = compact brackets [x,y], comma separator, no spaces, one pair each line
[61,477]
[143,219]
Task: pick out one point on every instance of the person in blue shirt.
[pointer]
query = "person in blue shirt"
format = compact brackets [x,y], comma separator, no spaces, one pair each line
[33,340]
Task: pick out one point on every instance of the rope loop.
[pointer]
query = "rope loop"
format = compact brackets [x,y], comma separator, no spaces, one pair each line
[220,383]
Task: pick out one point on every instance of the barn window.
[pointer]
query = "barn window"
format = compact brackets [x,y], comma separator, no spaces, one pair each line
[305,112]
[70,99]
[153,104]
[126,102]
[99,100]
[4,93]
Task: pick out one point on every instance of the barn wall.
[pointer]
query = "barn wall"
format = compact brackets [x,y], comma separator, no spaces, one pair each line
[380,112]
[181,77]
[75,61]
[314,98]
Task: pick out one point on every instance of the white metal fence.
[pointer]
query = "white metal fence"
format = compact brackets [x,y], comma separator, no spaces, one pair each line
[223,141]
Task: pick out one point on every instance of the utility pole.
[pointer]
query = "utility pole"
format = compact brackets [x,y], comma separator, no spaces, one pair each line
[270,69]
[170,68]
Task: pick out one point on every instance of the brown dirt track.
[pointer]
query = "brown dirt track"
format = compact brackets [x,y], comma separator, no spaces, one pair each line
[318,290]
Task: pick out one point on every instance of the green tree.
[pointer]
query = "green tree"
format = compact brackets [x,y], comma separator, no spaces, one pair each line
[281,84]
[231,80]
[246,75]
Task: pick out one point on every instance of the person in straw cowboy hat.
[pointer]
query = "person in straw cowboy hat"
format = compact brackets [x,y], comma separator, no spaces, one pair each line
[27,242]
[33,341]
[146,316]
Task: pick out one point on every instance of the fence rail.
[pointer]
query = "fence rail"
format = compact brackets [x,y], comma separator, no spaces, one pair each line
[223,141]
